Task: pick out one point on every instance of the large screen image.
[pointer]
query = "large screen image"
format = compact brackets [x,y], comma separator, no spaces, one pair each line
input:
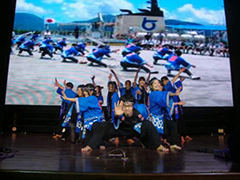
[62,42]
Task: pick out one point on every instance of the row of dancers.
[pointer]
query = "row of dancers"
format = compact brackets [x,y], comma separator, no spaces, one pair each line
[130,55]
[149,111]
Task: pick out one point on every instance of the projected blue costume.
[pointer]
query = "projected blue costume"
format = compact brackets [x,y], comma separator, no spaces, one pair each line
[129,48]
[81,47]
[134,60]
[162,53]
[175,62]
[46,48]
[60,45]
[70,53]
[97,55]
[27,46]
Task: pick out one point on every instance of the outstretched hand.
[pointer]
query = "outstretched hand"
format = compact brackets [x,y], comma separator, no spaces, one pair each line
[178,90]
[56,82]
[93,77]
[118,108]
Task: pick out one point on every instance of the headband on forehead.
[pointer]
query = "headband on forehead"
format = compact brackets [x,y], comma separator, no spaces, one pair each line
[128,102]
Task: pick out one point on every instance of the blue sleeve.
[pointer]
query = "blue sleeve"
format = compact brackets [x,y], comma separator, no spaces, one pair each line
[84,103]
[59,91]
[142,109]
[116,120]
[100,98]
[115,99]
[184,63]
[136,96]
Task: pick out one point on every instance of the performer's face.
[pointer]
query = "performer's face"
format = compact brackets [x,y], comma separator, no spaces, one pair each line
[128,109]
[141,82]
[156,85]
[165,82]
[79,92]
[128,85]
[110,88]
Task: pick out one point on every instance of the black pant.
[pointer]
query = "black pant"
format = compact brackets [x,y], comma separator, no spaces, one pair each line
[170,130]
[71,58]
[125,65]
[96,61]
[149,135]
[27,50]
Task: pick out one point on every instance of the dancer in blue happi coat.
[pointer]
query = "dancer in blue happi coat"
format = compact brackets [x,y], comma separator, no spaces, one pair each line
[71,53]
[90,110]
[97,55]
[172,86]
[46,47]
[128,89]
[81,47]
[27,46]
[135,61]
[162,53]
[161,104]
[60,45]
[175,62]
[129,48]
[127,122]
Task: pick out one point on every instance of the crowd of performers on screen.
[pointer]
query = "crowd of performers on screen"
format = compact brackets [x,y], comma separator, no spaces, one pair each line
[147,111]
[168,52]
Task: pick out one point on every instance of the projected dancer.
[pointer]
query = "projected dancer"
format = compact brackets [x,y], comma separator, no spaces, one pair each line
[129,48]
[27,46]
[176,62]
[135,61]
[162,53]
[127,122]
[46,48]
[60,45]
[97,55]
[70,53]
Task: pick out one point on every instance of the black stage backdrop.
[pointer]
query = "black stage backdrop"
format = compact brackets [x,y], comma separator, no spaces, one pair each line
[199,119]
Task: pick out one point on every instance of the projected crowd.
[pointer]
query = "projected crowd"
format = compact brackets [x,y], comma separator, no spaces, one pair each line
[169,51]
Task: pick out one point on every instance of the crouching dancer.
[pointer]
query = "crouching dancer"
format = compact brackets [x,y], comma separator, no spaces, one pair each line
[127,121]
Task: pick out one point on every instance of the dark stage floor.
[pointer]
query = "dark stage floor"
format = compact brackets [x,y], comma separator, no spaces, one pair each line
[40,153]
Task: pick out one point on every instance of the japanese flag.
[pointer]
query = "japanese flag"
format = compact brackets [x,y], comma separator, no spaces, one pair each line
[50,21]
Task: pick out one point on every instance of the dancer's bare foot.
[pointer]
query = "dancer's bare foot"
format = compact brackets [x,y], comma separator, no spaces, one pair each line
[116,142]
[162,148]
[130,142]
[175,147]
[57,136]
[102,147]
[86,149]
[188,138]
[182,139]
[82,62]
[166,143]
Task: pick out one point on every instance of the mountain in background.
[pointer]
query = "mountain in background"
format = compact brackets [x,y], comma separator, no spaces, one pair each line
[26,21]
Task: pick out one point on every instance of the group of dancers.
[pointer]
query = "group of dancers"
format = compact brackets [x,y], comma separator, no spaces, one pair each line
[148,111]
[130,54]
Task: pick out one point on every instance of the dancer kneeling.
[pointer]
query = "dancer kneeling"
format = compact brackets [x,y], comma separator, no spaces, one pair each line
[127,121]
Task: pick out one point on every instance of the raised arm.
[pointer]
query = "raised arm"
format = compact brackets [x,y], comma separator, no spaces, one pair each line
[116,77]
[135,78]
[58,85]
[178,74]
[92,78]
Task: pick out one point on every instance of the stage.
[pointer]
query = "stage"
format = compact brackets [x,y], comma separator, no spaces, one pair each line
[38,155]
